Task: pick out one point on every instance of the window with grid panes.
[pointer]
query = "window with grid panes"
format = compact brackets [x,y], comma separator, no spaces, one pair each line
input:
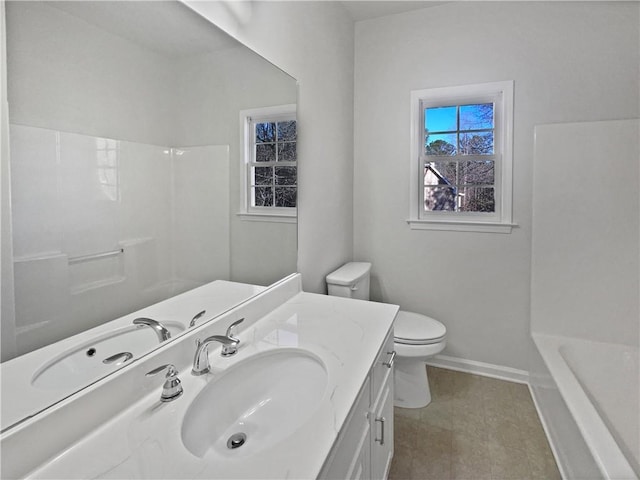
[464,154]
[271,161]
[460,157]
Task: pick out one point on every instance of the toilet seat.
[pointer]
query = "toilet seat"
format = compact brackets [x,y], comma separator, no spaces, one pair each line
[416,329]
[416,337]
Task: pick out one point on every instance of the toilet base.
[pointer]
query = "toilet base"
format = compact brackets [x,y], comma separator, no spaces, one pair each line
[411,384]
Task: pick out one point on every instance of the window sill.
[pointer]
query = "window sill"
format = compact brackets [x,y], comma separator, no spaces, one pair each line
[461,226]
[268,217]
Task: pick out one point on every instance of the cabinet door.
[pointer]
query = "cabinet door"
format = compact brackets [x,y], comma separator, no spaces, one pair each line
[361,467]
[382,432]
[382,395]
[381,368]
[350,457]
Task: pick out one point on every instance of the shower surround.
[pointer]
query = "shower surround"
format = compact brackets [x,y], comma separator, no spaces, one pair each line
[585,295]
[103,227]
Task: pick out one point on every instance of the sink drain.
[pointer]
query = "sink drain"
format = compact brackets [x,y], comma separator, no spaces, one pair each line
[236,440]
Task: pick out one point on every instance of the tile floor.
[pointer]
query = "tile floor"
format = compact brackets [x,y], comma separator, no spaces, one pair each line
[475,428]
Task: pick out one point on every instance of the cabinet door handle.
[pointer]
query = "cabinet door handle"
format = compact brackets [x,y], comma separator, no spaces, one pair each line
[381,439]
[389,364]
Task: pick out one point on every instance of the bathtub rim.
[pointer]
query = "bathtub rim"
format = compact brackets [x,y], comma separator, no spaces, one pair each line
[603,447]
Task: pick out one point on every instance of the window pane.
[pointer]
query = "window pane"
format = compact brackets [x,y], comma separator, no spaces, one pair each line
[476,173]
[440,119]
[440,173]
[263,176]
[440,144]
[285,175]
[287,152]
[285,196]
[287,131]
[477,143]
[476,117]
[262,196]
[265,132]
[266,152]
[440,198]
[477,199]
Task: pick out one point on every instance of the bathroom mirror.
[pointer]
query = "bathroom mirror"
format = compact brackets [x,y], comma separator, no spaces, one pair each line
[126,165]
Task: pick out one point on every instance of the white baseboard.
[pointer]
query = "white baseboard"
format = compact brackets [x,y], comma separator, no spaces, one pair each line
[480,368]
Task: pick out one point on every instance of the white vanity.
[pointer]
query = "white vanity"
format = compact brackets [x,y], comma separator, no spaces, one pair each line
[309,394]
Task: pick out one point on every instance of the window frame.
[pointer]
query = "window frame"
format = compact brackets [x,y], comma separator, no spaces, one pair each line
[499,221]
[248,119]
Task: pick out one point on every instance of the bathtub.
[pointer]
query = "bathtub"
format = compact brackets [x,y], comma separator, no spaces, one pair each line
[599,386]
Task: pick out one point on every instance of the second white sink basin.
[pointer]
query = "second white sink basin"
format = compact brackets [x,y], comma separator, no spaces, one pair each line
[92,359]
[255,404]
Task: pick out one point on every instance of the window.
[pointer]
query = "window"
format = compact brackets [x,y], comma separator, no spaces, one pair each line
[461,158]
[270,173]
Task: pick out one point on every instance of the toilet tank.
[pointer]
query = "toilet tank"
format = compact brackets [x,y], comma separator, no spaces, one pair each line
[351,281]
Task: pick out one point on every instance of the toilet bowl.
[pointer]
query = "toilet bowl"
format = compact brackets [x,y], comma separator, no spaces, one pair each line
[416,337]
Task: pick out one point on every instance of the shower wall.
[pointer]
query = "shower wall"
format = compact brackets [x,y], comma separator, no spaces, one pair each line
[147,208]
[585,285]
[586,246]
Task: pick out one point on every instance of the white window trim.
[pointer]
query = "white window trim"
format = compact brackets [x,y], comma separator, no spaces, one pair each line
[267,214]
[502,222]
[268,217]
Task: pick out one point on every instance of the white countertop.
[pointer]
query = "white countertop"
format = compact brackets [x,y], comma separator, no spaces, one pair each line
[144,441]
[21,399]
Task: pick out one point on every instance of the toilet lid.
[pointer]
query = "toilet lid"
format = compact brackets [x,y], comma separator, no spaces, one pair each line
[415,329]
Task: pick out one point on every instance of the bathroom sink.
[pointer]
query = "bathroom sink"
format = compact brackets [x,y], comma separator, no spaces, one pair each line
[99,356]
[255,404]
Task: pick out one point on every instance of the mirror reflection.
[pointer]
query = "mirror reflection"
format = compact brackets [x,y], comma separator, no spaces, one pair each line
[134,174]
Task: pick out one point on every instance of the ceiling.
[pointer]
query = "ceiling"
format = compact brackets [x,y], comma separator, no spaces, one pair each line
[365,9]
[171,29]
[168,28]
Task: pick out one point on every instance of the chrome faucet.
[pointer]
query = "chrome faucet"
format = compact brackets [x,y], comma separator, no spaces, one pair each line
[172,388]
[161,330]
[229,347]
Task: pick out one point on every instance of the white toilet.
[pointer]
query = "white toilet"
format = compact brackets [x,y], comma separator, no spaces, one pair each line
[416,337]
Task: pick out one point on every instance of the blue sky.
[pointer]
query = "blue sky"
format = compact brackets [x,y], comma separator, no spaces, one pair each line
[472,117]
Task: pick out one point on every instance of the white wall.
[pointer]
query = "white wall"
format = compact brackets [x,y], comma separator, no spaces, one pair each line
[201,247]
[211,91]
[570,61]
[313,42]
[586,248]
[66,74]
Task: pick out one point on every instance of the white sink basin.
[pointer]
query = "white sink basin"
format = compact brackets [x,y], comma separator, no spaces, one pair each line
[91,360]
[266,398]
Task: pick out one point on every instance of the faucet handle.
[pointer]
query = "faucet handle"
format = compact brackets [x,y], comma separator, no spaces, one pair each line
[196,318]
[172,387]
[229,333]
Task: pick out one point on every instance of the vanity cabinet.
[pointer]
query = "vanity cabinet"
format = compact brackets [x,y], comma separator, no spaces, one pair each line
[364,448]
[350,457]
[119,428]
[381,412]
